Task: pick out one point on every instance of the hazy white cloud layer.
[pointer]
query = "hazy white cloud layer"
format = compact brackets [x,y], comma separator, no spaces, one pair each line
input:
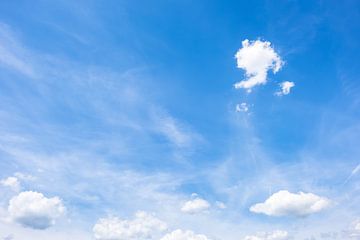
[11,182]
[275,235]
[34,210]
[256,58]
[354,232]
[284,203]
[143,226]
[196,205]
[285,88]
[184,235]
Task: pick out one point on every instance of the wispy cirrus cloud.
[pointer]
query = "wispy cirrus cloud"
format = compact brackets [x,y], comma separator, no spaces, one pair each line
[13,55]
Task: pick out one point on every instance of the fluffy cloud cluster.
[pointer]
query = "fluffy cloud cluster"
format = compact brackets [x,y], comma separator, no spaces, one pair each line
[275,235]
[284,203]
[285,88]
[196,205]
[11,182]
[256,58]
[143,226]
[34,210]
[184,235]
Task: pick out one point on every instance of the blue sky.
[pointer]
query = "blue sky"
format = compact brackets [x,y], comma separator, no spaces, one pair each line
[179,120]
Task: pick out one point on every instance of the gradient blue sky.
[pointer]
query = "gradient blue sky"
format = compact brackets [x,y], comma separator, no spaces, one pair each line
[116,107]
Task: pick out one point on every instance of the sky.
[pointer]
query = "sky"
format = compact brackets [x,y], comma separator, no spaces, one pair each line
[179,120]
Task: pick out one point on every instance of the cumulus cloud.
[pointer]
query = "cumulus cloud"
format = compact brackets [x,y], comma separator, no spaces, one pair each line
[184,235]
[275,235]
[34,210]
[196,205]
[11,182]
[242,107]
[256,58]
[285,88]
[284,203]
[143,226]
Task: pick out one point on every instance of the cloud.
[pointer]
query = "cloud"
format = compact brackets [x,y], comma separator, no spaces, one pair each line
[196,205]
[353,173]
[143,226]
[285,88]
[11,182]
[34,210]
[275,235]
[176,132]
[12,54]
[256,58]
[184,235]
[354,231]
[284,203]
[242,107]
[24,177]
[220,205]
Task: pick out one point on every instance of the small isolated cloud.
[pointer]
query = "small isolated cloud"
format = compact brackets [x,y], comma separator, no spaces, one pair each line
[143,226]
[256,58]
[220,205]
[284,203]
[275,235]
[196,205]
[11,182]
[184,235]
[285,88]
[34,210]
[242,107]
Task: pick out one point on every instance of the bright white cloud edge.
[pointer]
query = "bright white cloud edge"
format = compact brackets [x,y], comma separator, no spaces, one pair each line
[274,235]
[256,58]
[184,235]
[285,88]
[196,205]
[143,226]
[284,203]
[34,210]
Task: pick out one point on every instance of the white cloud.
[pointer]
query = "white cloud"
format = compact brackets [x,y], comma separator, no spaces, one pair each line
[11,182]
[12,54]
[285,88]
[256,58]
[34,210]
[143,226]
[242,107]
[184,235]
[354,232]
[275,235]
[284,203]
[178,133]
[24,177]
[220,205]
[196,205]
